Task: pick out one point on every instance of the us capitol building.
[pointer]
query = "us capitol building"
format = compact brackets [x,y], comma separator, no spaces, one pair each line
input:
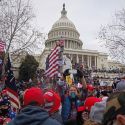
[73,46]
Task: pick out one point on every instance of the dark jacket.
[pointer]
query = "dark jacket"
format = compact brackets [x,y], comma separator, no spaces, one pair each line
[58,117]
[33,115]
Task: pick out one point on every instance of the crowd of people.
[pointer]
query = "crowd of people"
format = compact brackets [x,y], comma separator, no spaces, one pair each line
[80,103]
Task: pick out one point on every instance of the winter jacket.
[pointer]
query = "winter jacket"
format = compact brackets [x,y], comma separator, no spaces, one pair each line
[58,117]
[67,108]
[33,115]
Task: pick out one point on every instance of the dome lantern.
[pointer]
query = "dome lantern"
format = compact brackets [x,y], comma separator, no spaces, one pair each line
[63,12]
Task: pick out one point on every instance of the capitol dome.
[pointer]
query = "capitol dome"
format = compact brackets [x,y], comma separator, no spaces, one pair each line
[63,21]
[64,29]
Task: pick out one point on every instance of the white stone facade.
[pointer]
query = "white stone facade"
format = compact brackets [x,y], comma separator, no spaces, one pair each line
[65,29]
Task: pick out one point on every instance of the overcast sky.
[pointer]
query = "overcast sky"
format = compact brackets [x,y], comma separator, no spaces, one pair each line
[87,15]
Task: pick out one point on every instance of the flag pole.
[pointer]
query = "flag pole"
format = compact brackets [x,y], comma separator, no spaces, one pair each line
[60,69]
[61,55]
[5,59]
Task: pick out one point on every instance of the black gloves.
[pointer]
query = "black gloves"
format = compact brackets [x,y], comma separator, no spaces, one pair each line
[79,73]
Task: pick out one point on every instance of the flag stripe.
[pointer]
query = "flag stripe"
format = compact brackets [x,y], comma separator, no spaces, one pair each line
[14,102]
[53,58]
[53,61]
[53,66]
[13,92]
[2,46]
[53,70]
[55,50]
[14,105]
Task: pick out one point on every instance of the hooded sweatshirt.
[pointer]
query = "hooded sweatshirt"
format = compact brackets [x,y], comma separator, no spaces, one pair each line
[33,115]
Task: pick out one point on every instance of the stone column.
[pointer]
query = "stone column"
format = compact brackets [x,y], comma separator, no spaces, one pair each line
[67,43]
[96,62]
[77,58]
[90,62]
[82,59]
[50,44]
[71,57]
[64,45]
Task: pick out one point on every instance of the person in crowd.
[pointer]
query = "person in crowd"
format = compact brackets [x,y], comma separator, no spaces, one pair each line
[52,104]
[6,113]
[109,90]
[70,105]
[115,110]
[1,85]
[97,111]
[97,91]
[121,85]
[84,111]
[115,82]
[5,106]
[90,90]
[33,113]
[72,100]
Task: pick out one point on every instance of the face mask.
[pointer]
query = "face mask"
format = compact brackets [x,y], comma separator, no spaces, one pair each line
[73,95]
[48,106]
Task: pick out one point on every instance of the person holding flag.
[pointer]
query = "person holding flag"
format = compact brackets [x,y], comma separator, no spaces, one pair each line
[10,86]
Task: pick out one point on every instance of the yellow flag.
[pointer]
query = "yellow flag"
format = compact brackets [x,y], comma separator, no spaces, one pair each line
[69,80]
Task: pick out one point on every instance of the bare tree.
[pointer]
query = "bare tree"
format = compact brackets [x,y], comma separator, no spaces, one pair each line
[113,36]
[15,27]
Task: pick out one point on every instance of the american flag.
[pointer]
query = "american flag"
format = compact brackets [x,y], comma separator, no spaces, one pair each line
[11,86]
[2,46]
[52,62]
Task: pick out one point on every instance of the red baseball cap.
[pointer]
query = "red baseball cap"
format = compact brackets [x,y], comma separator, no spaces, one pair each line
[52,101]
[33,95]
[89,102]
[90,87]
